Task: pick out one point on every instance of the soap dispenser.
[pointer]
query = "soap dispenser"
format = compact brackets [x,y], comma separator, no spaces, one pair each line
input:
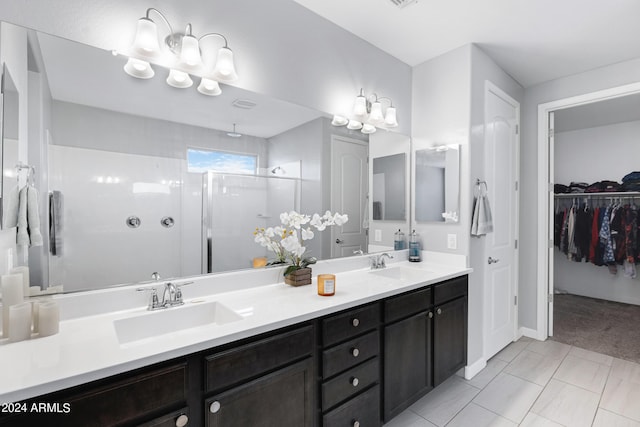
[415,252]
[398,240]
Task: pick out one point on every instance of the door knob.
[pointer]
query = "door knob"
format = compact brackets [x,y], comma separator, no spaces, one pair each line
[338,241]
[492,260]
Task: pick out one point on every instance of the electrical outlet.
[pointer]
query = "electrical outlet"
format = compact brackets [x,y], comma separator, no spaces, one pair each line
[377,235]
[452,241]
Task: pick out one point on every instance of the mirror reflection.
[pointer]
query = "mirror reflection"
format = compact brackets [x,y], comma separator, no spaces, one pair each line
[143,177]
[9,152]
[437,184]
[389,186]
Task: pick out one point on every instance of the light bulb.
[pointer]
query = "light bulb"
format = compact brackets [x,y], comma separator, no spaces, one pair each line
[390,118]
[376,118]
[139,69]
[360,106]
[225,70]
[190,54]
[209,87]
[146,39]
[179,79]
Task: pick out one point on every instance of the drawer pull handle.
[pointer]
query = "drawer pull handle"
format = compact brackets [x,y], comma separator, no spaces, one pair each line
[430,315]
[439,311]
[215,407]
[355,322]
[355,352]
[356,423]
[182,421]
[355,381]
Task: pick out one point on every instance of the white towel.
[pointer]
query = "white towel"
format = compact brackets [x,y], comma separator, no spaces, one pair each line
[481,222]
[33,216]
[10,215]
[28,219]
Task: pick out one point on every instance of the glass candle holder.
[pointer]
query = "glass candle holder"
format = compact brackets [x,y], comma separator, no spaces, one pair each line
[326,284]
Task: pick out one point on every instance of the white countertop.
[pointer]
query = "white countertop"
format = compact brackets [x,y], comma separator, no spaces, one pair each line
[87,347]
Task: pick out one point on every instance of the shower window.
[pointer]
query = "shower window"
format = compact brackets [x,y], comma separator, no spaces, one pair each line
[199,161]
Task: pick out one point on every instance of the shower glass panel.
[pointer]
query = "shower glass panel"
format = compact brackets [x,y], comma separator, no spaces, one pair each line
[233,206]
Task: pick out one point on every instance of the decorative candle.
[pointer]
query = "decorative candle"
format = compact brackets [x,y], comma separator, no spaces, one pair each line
[326,284]
[48,318]
[24,270]
[12,294]
[259,262]
[20,322]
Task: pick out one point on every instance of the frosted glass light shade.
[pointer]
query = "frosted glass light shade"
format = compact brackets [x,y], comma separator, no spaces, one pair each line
[225,69]
[354,125]
[146,39]
[190,59]
[368,128]
[376,118]
[179,79]
[209,87]
[139,69]
[390,118]
[360,106]
[339,121]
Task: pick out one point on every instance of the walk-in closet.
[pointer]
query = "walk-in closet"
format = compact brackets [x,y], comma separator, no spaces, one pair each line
[596,271]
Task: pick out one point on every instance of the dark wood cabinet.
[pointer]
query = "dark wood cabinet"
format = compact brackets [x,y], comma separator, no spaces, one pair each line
[280,399]
[407,362]
[450,339]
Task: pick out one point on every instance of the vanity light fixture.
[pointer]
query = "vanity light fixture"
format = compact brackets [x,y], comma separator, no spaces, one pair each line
[367,114]
[181,53]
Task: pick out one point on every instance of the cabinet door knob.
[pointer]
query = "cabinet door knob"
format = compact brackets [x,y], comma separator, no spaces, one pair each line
[355,322]
[215,407]
[355,352]
[182,421]
[356,423]
[355,381]
[430,315]
[439,311]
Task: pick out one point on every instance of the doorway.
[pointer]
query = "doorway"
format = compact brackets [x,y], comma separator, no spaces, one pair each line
[549,126]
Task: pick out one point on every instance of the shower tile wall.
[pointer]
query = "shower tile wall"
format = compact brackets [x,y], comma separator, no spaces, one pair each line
[101,190]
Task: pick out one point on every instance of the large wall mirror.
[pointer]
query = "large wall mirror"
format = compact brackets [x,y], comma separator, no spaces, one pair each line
[139,177]
[437,184]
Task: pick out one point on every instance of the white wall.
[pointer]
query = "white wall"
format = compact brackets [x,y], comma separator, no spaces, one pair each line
[590,81]
[591,155]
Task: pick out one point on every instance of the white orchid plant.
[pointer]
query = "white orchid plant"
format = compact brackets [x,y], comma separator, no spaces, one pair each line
[287,240]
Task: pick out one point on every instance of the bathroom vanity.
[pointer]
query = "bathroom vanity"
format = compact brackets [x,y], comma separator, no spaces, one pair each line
[294,359]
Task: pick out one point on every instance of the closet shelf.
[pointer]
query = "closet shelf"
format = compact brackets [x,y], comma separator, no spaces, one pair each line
[598,195]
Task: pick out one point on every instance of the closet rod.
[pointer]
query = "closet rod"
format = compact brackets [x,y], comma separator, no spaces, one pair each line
[597,195]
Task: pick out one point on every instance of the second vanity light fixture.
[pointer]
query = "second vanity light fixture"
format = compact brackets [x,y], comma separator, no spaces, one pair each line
[181,54]
[368,115]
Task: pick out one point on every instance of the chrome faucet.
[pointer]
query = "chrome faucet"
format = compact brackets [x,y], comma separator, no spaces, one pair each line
[377,261]
[171,297]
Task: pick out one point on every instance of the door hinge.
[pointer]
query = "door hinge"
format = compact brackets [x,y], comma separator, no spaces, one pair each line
[516,244]
[550,298]
[515,300]
[550,244]
[551,133]
[516,185]
[517,129]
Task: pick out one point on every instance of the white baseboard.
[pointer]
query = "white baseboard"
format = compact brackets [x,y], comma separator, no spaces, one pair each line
[472,370]
[531,333]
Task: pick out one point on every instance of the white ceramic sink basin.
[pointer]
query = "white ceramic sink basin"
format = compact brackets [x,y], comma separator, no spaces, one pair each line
[160,322]
[401,273]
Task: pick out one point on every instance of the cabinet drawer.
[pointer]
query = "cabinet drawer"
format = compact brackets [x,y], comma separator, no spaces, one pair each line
[405,305]
[349,383]
[351,323]
[170,420]
[233,366]
[450,289]
[350,353]
[363,409]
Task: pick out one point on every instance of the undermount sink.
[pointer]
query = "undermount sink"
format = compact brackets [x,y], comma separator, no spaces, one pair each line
[156,323]
[401,273]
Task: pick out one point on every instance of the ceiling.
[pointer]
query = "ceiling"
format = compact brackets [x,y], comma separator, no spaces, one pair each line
[532,40]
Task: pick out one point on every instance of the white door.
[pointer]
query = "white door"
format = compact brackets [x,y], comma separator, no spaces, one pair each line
[551,221]
[348,194]
[502,116]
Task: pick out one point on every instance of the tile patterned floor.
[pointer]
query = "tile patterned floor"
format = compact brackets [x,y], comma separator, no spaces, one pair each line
[535,384]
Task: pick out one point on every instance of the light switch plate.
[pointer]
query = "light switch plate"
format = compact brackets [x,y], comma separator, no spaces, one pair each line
[452,241]
[377,235]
